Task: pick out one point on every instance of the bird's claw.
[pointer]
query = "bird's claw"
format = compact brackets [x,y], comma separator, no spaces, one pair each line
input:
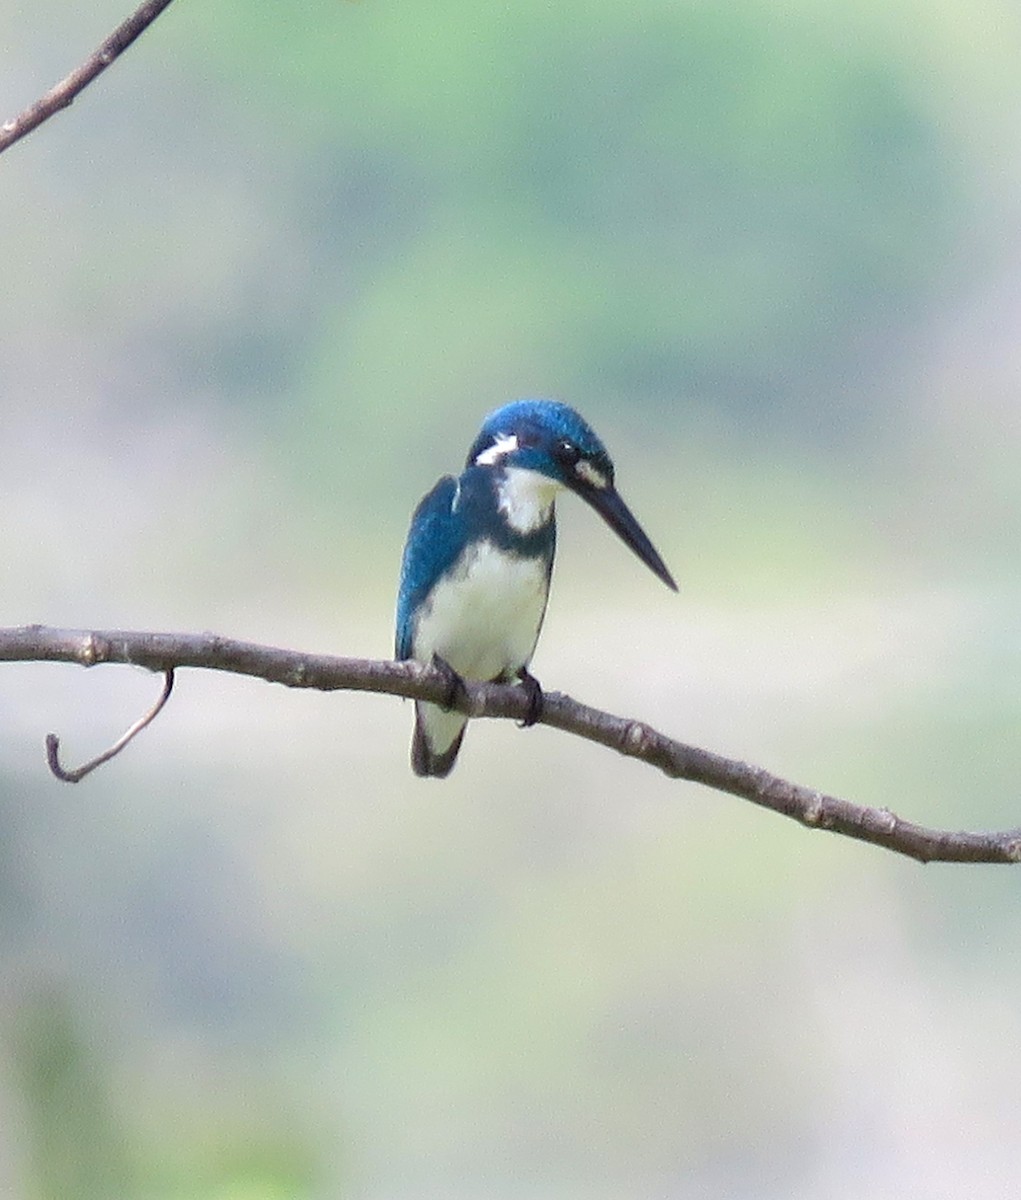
[536,699]
[456,693]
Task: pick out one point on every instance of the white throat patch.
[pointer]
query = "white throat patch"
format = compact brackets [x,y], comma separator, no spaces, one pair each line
[526,498]
[506,443]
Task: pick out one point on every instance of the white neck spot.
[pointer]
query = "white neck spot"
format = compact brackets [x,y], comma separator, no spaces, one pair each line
[526,498]
[505,443]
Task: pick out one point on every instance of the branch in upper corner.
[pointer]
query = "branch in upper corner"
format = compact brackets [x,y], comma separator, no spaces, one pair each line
[166,651]
[63,93]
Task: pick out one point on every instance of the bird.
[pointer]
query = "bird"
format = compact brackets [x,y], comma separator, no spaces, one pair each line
[476,569]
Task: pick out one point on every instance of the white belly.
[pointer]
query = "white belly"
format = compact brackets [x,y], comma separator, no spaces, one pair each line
[485,619]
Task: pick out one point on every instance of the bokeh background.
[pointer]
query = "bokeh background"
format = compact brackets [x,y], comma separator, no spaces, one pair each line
[260,284]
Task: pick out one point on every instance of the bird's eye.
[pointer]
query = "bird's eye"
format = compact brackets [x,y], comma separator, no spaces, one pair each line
[567,452]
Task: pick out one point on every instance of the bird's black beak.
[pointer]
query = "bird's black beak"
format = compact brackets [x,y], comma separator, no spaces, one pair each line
[607,502]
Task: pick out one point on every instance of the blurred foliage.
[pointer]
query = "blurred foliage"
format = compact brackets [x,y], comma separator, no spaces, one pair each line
[78,1142]
[678,206]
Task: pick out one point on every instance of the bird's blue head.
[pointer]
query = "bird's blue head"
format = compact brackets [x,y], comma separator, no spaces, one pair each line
[543,436]
[552,439]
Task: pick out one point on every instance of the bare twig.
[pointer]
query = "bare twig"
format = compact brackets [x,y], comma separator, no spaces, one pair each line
[79,773]
[166,651]
[63,93]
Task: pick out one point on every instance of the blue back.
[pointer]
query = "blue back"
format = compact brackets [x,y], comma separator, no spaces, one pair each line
[442,529]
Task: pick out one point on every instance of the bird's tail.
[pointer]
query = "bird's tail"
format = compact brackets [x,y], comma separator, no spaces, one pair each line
[436,740]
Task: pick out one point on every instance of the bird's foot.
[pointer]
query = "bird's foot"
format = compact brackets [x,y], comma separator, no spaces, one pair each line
[536,700]
[456,692]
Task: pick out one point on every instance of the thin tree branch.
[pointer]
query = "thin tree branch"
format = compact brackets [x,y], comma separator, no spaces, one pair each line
[63,93]
[79,773]
[166,651]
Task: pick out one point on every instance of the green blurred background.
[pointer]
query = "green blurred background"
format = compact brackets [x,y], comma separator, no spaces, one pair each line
[260,284]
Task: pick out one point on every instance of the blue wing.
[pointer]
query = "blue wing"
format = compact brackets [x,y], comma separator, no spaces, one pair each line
[432,546]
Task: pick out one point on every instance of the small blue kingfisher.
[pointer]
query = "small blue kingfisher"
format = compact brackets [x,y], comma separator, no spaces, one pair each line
[476,570]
